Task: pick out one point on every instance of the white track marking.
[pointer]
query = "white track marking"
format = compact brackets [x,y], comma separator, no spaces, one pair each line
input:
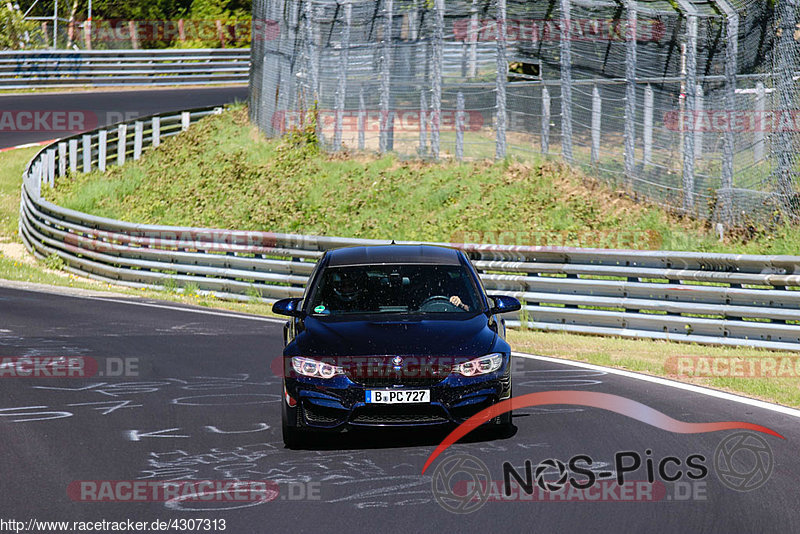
[190,310]
[785,410]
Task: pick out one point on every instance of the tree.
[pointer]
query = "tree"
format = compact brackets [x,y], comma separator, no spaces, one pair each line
[17,33]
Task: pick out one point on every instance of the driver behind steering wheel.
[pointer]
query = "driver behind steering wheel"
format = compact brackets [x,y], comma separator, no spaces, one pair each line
[347,287]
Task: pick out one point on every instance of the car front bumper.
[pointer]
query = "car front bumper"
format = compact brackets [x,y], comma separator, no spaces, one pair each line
[339,403]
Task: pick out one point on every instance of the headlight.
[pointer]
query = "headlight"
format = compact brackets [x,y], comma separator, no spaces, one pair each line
[480,366]
[314,368]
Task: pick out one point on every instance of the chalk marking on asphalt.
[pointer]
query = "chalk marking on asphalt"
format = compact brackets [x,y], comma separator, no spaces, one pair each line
[785,410]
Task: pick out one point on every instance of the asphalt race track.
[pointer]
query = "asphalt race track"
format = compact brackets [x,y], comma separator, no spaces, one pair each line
[205,406]
[99,108]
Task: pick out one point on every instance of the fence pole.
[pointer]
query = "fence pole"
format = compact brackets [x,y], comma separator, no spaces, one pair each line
[597,110]
[186,120]
[423,127]
[725,193]
[698,133]
[102,148]
[362,118]
[472,69]
[386,75]
[566,81]
[758,135]
[460,126]
[73,155]
[786,61]
[648,125]
[138,134]
[630,93]
[545,120]
[344,58]
[87,153]
[313,62]
[502,77]
[690,82]
[436,76]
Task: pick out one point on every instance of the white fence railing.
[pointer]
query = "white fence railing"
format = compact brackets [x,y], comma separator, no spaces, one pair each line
[66,68]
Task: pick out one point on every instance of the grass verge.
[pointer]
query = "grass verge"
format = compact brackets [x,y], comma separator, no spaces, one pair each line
[16,264]
[659,358]
[222,173]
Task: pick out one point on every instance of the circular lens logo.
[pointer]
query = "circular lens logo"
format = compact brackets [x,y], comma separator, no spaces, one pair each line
[743,461]
[546,467]
[460,484]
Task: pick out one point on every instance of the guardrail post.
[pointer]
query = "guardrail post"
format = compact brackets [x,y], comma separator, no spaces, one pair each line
[460,126]
[566,80]
[156,131]
[102,148]
[138,129]
[186,119]
[500,80]
[87,153]
[423,123]
[38,176]
[122,141]
[597,110]
[630,93]
[62,159]
[698,134]
[545,120]
[758,135]
[648,125]
[73,155]
[362,119]
[51,166]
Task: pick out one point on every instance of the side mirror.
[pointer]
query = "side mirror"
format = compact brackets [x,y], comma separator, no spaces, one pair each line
[504,304]
[290,307]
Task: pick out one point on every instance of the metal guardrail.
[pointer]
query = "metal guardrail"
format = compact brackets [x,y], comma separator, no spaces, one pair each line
[721,299]
[96,68]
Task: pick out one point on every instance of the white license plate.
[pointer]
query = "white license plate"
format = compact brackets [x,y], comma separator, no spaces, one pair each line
[397,396]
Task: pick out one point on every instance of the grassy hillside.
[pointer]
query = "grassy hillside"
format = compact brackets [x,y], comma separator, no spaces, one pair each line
[223,173]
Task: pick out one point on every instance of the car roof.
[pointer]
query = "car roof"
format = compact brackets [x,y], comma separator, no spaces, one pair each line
[393,254]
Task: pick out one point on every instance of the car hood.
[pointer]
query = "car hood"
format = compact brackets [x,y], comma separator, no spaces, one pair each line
[435,337]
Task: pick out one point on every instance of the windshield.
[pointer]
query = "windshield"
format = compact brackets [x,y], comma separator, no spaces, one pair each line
[367,289]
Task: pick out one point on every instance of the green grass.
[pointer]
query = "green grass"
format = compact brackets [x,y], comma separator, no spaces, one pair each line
[222,173]
[651,357]
[49,271]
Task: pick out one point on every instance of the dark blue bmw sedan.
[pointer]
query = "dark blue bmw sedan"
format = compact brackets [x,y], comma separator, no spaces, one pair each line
[393,335]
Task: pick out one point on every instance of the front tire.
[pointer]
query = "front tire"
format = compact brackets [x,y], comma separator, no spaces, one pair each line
[293,437]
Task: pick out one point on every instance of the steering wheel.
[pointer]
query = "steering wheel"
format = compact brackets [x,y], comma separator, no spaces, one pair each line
[437,299]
